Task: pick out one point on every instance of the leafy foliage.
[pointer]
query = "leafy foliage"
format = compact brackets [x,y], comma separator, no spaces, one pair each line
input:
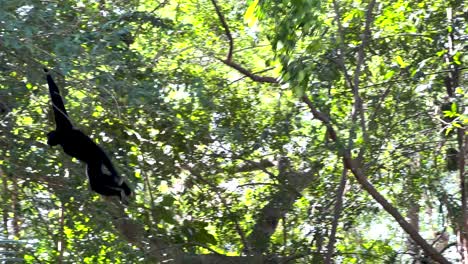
[204,108]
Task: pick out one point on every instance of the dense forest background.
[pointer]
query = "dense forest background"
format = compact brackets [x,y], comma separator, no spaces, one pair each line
[256,131]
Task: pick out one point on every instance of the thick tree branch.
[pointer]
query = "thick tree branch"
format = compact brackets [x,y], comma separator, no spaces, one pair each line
[279,204]
[252,166]
[322,117]
[355,168]
[409,229]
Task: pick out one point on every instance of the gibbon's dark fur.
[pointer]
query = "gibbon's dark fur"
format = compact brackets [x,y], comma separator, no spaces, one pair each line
[78,145]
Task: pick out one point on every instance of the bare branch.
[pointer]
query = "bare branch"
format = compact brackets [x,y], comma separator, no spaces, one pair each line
[252,76]
[409,229]
[226,29]
[322,117]
[357,73]
[342,49]
[228,61]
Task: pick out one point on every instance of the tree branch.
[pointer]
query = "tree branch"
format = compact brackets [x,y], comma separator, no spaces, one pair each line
[355,168]
[336,217]
[357,73]
[252,76]
[342,48]
[279,204]
[226,29]
[228,61]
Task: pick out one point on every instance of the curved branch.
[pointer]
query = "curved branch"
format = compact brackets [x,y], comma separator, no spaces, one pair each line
[228,61]
[226,29]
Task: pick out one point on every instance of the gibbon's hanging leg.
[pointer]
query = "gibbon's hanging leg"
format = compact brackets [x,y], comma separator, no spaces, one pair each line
[104,183]
[78,145]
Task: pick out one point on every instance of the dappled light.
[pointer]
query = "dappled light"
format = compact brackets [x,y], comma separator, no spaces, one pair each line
[234,131]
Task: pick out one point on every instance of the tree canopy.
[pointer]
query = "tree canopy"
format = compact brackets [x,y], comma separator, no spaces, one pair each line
[251,131]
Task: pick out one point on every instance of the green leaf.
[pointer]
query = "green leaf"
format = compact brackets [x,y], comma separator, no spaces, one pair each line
[249,16]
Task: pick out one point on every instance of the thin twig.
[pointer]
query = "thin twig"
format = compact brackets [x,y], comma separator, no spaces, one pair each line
[357,73]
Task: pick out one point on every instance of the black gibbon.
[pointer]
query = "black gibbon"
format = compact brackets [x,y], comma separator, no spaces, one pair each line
[78,145]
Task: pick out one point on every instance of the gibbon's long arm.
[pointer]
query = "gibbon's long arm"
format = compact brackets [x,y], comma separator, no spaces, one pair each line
[108,164]
[62,120]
